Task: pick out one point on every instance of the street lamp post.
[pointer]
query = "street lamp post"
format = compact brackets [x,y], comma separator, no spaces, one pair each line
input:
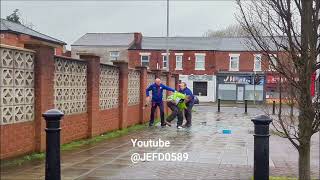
[254,87]
[167,38]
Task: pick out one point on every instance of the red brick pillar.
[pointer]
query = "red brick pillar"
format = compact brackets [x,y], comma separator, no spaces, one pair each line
[123,92]
[44,90]
[143,87]
[176,81]
[93,82]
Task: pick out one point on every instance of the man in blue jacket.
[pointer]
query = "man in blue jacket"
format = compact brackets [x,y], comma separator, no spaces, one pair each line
[189,102]
[157,94]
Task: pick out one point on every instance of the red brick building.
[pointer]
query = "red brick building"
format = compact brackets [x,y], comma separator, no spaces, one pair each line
[18,35]
[213,68]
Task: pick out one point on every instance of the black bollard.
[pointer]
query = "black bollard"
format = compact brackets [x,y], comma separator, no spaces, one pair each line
[261,147]
[218,105]
[274,107]
[53,169]
[246,106]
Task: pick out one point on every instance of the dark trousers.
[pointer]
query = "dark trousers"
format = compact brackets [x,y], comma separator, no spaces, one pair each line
[153,110]
[176,112]
[188,113]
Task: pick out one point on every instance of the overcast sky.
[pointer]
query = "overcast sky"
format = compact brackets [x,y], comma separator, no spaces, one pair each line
[69,20]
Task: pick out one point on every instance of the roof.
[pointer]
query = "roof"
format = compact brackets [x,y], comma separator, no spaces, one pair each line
[105,39]
[21,29]
[197,43]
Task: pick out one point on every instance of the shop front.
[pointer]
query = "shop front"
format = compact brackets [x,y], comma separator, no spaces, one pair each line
[203,86]
[240,86]
[272,87]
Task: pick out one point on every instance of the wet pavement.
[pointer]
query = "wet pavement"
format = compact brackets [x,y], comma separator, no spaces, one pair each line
[211,154]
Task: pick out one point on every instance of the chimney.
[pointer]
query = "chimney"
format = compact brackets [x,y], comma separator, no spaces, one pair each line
[137,40]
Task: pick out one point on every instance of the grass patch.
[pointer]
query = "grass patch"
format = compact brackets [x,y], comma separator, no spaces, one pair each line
[22,160]
[74,145]
[279,178]
[105,136]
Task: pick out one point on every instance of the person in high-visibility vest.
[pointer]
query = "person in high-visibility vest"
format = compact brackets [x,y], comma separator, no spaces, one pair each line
[176,103]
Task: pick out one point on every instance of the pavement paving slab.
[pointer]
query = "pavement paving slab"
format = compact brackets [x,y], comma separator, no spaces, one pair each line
[211,154]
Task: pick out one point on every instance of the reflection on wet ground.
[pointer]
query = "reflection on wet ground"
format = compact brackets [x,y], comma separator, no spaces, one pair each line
[211,154]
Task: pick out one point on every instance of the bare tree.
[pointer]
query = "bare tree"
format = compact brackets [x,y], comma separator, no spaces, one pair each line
[290,41]
[234,30]
[16,17]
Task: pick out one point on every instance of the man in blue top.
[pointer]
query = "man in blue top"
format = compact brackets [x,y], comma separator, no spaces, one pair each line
[189,102]
[157,94]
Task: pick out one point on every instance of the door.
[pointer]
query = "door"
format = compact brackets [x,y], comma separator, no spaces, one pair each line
[200,88]
[240,93]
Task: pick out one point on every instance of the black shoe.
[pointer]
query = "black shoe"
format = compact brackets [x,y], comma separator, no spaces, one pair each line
[150,125]
[163,125]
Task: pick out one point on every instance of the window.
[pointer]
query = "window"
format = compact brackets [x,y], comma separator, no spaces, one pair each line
[145,60]
[254,92]
[273,61]
[234,62]
[227,91]
[164,62]
[114,55]
[178,62]
[200,88]
[200,61]
[257,62]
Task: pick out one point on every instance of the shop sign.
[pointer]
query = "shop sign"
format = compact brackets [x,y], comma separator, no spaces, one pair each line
[244,79]
[273,79]
[200,78]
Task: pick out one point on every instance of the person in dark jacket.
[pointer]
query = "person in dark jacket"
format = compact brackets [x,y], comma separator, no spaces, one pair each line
[157,94]
[189,103]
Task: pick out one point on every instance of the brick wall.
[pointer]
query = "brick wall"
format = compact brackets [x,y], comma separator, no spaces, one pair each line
[22,40]
[23,136]
[214,61]
[133,115]
[108,120]
[246,61]
[93,96]
[11,39]
[188,59]
[74,127]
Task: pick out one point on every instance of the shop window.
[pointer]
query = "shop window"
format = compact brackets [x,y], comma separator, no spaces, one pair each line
[272,94]
[200,88]
[227,91]
[251,90]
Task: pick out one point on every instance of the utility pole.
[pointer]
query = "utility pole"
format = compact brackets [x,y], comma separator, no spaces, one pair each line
[167,38]
[254,87]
